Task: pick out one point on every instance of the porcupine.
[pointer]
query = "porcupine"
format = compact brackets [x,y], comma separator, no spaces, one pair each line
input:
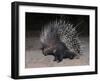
[60,39]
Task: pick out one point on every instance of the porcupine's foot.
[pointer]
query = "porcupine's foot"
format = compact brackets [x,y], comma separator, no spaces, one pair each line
[55,59]
[58,61]
[59,58]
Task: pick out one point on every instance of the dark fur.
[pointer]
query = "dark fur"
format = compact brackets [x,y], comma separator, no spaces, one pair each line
[59,51]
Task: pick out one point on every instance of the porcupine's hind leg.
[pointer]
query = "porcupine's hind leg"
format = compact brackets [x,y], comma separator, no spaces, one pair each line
[68,54]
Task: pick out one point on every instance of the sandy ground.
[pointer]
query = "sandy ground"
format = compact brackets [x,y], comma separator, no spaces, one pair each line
[34,57]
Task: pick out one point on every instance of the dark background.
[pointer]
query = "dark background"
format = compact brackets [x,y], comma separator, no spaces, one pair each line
[35,21]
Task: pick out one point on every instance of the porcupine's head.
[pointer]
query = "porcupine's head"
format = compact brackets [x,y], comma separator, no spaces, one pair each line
[60,31]
[48,38]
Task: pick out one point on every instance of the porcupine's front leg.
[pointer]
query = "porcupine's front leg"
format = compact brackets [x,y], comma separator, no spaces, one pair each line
[55,58]
[58,56]
[44,52]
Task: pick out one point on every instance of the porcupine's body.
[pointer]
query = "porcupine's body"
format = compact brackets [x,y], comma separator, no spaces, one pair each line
[60,39]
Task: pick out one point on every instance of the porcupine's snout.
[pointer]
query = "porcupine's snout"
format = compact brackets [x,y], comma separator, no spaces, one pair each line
[47,51]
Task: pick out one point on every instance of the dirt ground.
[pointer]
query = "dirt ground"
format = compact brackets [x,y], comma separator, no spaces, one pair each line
[34,57]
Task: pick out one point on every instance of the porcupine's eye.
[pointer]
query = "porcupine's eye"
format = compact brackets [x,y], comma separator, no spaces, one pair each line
[54,51]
